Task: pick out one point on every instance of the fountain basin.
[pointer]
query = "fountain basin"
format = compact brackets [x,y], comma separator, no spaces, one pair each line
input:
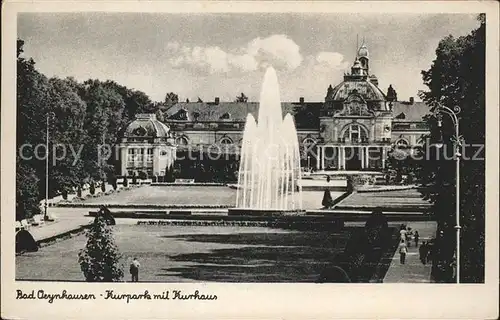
[265,212]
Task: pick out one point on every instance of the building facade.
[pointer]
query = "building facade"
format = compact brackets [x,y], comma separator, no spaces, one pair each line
[147,147]
[352,129]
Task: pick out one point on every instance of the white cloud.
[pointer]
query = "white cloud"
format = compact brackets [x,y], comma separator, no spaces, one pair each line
[277,50]
[333,60]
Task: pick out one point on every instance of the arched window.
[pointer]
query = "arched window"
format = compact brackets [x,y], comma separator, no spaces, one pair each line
[226,140]
[225,116]
[183,141]
[355,133]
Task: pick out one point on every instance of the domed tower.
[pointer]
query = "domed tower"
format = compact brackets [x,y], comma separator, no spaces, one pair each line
[363,57]
[146,147]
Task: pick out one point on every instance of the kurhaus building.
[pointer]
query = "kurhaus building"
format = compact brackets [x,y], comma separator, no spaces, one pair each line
[353,129]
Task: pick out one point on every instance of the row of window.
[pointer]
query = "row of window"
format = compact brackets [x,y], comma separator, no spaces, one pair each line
[138,151]
[183,141]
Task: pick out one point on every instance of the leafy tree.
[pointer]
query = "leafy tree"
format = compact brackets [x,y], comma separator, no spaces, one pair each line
[102,123]
[100,259]
[27,193]
[32,105]
[66,131]
[171,99]
[456,78]
[159,115]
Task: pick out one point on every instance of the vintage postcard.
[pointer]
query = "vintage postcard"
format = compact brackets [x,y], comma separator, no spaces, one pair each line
[227,160]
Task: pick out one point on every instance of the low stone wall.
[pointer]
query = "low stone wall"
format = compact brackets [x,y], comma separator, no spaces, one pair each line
[362,189]
[265,213]
[144,206]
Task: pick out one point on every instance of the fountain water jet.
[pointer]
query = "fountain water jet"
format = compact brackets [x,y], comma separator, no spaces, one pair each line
[270,158]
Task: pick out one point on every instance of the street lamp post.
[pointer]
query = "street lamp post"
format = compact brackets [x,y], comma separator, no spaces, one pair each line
[45,215]
[453,113]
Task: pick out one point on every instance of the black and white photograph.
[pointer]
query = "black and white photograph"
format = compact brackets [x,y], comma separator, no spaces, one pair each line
[282,147]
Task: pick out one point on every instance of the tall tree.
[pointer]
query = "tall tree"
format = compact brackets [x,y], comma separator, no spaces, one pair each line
[457,78]
[102,124]
[171,99]
[32,107]
[67,135]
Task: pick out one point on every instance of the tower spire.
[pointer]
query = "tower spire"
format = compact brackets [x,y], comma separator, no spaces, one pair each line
[357,45]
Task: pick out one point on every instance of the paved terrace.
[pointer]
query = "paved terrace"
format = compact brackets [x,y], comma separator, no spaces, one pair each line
[399,200]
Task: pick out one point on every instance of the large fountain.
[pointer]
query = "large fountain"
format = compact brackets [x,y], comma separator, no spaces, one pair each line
[270,158]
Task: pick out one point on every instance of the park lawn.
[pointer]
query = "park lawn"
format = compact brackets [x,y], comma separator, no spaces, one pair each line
[190,254]
[192,195]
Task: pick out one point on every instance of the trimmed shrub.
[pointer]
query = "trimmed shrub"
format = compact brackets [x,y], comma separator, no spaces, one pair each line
[327,199]
[92,188]
[99,260]
[143,175]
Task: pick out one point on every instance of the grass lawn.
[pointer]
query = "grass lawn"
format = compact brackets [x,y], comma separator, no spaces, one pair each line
[197,195]
[187,254]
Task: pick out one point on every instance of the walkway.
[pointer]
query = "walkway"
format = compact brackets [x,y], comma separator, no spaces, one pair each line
[65,220]
[413,271]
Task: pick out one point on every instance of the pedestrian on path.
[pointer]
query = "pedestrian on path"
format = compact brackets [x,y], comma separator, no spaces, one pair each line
[134,270]
[415,237]
[402,232]
[403,250]
[409,233]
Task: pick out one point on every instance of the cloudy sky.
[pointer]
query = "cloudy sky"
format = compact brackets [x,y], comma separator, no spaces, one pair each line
[221,55]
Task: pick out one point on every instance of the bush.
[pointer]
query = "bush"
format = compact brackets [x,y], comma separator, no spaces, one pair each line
[92,188]
[79,192]
[99,260]
[114,184]
[134,178]
[376,227]
[169,174]
[103,186]
[143,175]
[125,181]
[65,194]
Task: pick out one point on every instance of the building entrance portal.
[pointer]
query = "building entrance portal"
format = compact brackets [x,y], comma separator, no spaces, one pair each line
[352,159]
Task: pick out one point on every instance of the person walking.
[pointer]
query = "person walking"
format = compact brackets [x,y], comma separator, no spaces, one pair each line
[402,233]
[403,250]
[409,233]
[415,237]
[134,270]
